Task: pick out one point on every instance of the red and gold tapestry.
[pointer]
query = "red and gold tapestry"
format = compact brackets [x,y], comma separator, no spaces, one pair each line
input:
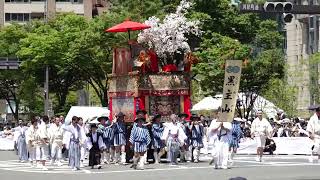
[124,105]
[164,105]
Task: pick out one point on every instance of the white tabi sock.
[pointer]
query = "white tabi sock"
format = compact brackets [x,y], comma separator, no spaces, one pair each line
[123,157]
[156,158]
[108,158]
[141,162]
[145,158]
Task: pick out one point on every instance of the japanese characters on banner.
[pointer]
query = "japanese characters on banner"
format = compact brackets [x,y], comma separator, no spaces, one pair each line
[230,89]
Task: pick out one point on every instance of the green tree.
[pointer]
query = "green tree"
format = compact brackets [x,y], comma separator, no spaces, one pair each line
[11,80]
[48,45]
[282,95]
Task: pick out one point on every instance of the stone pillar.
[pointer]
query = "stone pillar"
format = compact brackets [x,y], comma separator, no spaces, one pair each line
[1,13]
[87,6]
[51,9]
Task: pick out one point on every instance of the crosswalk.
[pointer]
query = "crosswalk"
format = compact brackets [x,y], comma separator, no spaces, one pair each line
[240,161]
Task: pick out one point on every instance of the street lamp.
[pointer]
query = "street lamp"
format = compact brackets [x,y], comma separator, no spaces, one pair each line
[46,83]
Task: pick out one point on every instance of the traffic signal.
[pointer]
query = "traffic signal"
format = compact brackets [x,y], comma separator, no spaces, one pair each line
[280,7]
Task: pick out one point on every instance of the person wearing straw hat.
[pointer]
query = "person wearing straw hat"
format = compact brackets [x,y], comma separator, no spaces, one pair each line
[234,140]
[157,143]
[141,113]
[139,140]
[185,153]
[119,141]
[313,128]
[95,145]
[197,132]
[260,130]
[105,128]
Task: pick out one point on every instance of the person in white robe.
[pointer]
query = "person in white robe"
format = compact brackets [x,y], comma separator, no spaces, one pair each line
[73,139]
[83,149]
[42,143]
[174,137]
[56,137]
[20,138]
[261,129]
[31,141]
[219,134]
[313,129]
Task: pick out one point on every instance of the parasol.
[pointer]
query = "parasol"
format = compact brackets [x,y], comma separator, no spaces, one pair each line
[127,26]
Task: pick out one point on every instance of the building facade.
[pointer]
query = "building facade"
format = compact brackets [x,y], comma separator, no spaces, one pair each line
[23,11]
[302,41]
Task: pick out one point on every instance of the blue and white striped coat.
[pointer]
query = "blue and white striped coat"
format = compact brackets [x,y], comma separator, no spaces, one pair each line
[108,135]
[119,129]
[236,134]
[140,139]
[157,132]
[197,132]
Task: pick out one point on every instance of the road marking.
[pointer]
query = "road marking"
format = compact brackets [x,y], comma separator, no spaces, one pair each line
[14,165]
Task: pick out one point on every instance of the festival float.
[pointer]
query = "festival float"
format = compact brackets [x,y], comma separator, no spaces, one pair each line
[154,72]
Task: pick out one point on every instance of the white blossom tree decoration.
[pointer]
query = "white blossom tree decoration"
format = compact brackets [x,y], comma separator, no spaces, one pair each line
[170,36]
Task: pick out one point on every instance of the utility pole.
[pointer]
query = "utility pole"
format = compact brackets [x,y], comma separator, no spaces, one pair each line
[46,83]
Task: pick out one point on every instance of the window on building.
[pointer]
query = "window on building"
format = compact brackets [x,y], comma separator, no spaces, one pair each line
[17,1]
[19,17]
[72,1]
[37,16]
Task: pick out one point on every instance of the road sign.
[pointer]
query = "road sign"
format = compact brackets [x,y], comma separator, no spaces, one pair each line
[9,63]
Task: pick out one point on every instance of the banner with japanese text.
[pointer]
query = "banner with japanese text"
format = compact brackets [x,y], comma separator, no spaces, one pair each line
[230,89]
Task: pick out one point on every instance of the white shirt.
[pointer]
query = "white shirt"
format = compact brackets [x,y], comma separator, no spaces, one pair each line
[314,125]
[173,129]
[95,139]
[56,133]
[261,127]
[213,135]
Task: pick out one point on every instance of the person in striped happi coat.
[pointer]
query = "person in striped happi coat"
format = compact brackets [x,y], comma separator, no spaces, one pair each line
[105,128]
[234,140]
[157,143]
[139,139]
[119,141]
[142,114]
[197,132]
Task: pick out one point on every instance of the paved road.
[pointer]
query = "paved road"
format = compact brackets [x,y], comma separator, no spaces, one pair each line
[275,168]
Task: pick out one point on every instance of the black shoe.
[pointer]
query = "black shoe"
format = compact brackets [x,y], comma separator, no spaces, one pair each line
[99,166]
[211,161]
[92,167]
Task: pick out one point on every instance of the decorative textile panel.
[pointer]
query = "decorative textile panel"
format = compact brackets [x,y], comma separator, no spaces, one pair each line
[122,61]
[125,105]
[164,105]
